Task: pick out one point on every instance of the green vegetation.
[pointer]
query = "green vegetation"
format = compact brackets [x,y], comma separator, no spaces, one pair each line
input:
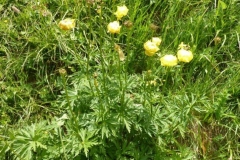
[84,93]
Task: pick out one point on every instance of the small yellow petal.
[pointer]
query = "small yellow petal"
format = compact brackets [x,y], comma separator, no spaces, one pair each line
[156,40]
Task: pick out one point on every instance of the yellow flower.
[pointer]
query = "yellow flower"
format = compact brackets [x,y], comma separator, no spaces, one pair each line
[150,48]
[169,60]
[156,40]
[67,24]
[121,11]
[184,55]
[114,27]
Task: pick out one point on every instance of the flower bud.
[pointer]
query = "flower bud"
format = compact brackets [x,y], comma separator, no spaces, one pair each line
[128,24]
[217,40]
[154,27]
[62,71]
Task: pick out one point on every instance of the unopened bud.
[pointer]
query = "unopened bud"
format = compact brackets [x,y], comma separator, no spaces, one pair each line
[62,71]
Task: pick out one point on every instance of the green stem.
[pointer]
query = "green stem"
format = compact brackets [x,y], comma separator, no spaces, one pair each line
[60,134]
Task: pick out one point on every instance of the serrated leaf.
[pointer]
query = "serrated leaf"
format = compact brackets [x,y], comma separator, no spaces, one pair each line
[128,125]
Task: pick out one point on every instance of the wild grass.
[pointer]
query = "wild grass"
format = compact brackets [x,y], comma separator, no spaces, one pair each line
[68,94]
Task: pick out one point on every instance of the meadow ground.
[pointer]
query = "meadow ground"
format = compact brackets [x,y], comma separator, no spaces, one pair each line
[108,79]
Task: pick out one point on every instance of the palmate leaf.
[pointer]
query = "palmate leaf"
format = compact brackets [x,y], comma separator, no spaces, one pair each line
[87,140]
[22,150]
[28,140]
[84,140]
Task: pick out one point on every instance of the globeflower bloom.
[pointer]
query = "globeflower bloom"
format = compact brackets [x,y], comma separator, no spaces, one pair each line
[156,40]
[150,48]
[184,55]
[67,24]
[169,60]
[121,11]
[114,27]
